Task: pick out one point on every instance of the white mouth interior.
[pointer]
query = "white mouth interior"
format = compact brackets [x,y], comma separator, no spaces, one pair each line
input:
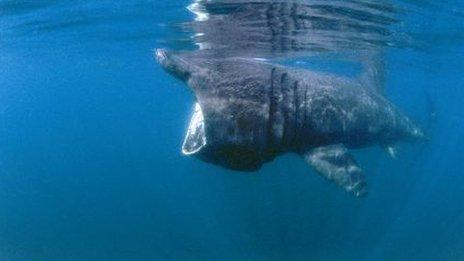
[195,138]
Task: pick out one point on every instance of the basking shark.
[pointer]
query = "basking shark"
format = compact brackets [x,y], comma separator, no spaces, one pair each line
[249,110]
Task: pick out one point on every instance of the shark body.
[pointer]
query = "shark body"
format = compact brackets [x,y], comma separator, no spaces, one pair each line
[249,111]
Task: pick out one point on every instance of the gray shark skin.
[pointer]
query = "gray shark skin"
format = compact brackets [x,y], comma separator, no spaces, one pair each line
[250,111]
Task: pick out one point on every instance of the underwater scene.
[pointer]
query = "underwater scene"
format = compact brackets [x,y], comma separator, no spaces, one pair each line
[231,130]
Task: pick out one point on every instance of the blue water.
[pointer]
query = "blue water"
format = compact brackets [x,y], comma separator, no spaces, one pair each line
[91,129]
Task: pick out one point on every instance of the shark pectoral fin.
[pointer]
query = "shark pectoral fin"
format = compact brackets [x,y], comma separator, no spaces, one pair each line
[195,139]
[337,165]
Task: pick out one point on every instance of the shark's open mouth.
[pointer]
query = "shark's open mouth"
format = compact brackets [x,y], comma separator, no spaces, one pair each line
[195,138]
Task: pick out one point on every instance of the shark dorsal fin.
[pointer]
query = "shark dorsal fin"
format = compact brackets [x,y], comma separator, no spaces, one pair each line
[373,71]
[195,139]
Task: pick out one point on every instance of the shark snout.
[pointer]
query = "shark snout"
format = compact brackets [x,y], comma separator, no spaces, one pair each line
[173,63]
[161,55]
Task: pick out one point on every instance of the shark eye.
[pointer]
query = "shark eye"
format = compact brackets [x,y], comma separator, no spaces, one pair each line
[195,139]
